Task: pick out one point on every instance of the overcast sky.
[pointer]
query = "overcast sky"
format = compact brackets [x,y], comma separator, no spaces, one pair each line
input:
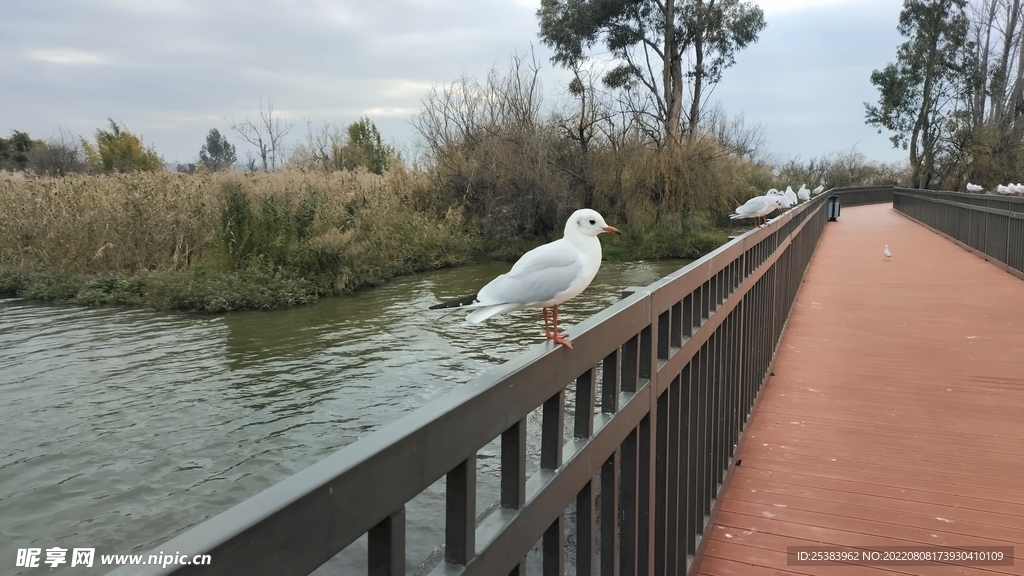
[170,70]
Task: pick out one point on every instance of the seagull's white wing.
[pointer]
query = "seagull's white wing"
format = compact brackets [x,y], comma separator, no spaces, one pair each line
[538,276]
[751,208]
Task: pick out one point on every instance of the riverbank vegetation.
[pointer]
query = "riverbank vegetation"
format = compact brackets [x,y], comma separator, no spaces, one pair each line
[217,242]
[500,172]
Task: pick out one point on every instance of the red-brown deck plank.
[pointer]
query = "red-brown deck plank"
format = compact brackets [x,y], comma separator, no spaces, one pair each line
[895,415]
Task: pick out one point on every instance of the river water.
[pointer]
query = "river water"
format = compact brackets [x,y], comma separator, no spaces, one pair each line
[121,428]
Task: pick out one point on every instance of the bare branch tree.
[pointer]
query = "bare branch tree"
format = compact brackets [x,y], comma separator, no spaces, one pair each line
[734,133]
[266,133]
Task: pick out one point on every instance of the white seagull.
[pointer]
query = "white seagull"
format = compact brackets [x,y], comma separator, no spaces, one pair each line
[974,188]
[803,194]
[886,252]
[758,208]
[1004,189]
[791,199]
[545,276]
[818,190]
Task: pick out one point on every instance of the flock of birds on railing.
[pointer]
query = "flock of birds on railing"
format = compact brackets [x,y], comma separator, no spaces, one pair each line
[1004,189]
[759,207]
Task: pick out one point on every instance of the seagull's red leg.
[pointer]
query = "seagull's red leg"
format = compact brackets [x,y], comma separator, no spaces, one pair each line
[547,331]
[562,339]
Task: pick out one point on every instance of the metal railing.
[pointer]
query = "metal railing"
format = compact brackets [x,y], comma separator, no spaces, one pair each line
[864,195]
[990,226]
[665,381]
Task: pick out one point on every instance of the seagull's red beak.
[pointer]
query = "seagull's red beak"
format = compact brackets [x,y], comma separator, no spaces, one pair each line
[611,229]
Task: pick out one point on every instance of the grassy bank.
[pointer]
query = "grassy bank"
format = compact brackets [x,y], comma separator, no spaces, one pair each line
[218,242]
[252,241]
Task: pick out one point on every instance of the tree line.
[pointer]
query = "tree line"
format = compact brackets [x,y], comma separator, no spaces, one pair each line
[115,149]
[954,96]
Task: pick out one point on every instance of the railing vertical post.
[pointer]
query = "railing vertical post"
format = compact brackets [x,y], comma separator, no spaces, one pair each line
[646,453]
[699,407]
[386,546]
[664,334]
[513,474]
[661,511]
[630,373]
[685,466]
[610,516]
[1009,227]
[513,466]
[610,383]
[688,321]
[627,499]
[460,525]
[583,422]
[693,450]
[552,430]
[586,524]
[676,337]
[644,497]
[553,548]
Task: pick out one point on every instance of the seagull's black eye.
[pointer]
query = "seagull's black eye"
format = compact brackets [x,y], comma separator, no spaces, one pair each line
[592,222]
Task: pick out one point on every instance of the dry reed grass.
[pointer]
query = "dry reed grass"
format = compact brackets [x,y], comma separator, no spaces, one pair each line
[197,241]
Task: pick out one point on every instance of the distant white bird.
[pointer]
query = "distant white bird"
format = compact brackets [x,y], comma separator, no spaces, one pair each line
[758,207]
[974,188]
[886,252]
[1017,188]
[545,276]
[803,194]
[791,199]
[1004,189]
[818,190]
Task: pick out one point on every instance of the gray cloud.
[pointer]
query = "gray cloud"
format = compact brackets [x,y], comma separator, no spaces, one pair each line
[171,70]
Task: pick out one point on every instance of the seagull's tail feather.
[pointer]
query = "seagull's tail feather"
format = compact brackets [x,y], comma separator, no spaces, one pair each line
[738,216]
[457,303]
[491,311]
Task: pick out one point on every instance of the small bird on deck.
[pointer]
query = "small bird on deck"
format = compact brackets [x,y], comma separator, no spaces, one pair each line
[818,190]
[886,253]
[544,277]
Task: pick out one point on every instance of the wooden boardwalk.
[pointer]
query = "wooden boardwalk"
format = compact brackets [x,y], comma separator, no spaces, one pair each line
[895,416]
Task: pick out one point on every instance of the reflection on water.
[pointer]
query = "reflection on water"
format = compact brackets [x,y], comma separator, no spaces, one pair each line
[121,428]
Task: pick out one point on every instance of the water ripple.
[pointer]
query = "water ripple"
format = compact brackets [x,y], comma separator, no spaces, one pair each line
[124,427]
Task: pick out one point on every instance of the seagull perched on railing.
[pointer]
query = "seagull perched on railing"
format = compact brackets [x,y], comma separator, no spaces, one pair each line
[818,190]
[758,208]
[1004,189]
[791,199]
[803,194]
[544,277]
[886,253]
[974,188]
